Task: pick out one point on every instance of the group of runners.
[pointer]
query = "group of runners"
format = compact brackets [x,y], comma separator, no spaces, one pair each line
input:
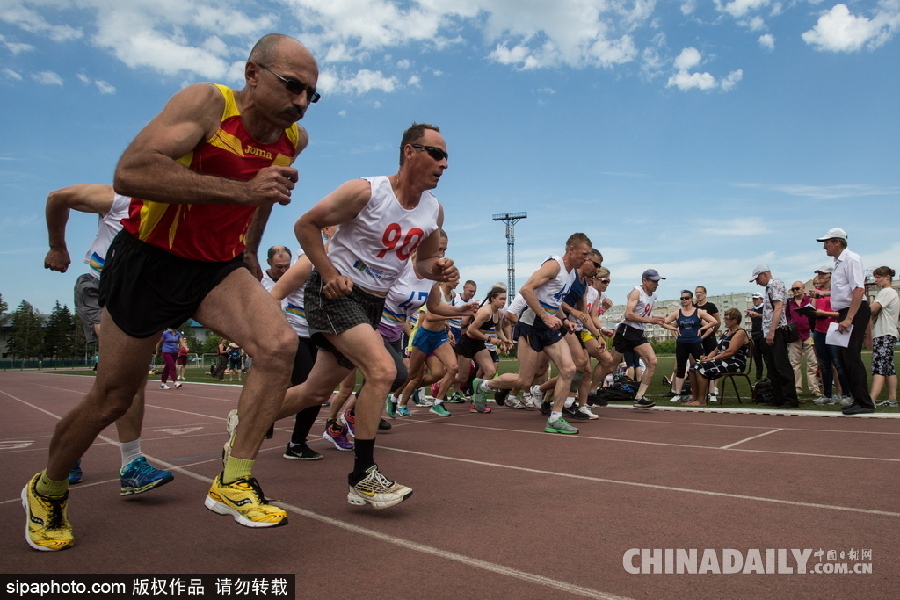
[192,194]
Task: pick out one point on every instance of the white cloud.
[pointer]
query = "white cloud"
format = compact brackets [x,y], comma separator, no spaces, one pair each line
[83,78]
[688,81]
[826,192]
[839,31]
[688,59]
[32,22]
[47,78]
[734,227]
[15,47]
[767,41]
[364,80]
[684,79]
[11,74]
[740,8]
[104,87]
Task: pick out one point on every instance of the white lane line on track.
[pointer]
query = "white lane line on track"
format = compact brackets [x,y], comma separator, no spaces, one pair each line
[752,437]
[652,486]
[555,584]
[647,443]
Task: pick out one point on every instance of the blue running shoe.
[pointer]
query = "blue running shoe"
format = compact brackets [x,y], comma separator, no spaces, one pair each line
[75,473]
[139,476]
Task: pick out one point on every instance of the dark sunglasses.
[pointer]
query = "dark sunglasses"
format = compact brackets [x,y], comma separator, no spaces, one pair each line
[296,87]
[434,152]
[796,289]
[685,297]
[604,281]
[596,264]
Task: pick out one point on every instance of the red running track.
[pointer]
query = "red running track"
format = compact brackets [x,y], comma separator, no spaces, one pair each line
[500,509]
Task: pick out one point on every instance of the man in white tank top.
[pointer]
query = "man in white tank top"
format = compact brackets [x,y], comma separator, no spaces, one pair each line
[99,199]
[382,221]
[630,332]
[543,325]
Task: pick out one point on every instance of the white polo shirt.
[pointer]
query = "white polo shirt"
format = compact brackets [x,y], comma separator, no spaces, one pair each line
[848,275]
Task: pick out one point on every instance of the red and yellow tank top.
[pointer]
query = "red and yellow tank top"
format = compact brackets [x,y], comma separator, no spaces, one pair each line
[212,232]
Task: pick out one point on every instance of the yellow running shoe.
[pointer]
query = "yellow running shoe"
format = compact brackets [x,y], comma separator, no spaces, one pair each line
[244,500]
[46,526]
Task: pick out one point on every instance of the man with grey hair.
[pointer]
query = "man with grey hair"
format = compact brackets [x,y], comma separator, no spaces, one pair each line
[279,260]
[848,298]
[775,348]
[197,206]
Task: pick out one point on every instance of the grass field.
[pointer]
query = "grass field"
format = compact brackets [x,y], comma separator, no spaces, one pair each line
[656,392]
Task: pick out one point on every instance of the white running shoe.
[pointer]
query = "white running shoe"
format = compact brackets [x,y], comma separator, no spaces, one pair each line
[163,386]
[675,399]
[177,384]
[713,398]
[584,410]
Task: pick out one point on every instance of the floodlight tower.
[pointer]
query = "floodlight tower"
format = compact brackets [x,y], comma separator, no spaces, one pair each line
[510,220]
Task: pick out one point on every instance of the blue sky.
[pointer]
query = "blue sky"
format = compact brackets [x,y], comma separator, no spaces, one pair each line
[697,137]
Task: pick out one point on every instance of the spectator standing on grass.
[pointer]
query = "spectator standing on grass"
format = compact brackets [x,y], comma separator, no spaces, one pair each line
[775,351]
[181,358]
[167,348]
[690,323]
[804,347]
[709,336]
[755,313]
[885,311]
[848,297]
[829,355]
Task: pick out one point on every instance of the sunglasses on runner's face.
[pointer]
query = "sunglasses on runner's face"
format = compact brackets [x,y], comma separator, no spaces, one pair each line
[434,152]
[296,87]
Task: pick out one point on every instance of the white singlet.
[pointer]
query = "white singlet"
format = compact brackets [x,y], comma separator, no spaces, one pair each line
[402,301]
[590,297]
[373,248]
[643,308]
[551,294]
[293,308]
[110,224]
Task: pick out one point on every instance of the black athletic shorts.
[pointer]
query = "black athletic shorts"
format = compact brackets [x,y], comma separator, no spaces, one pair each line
[338,315]
[539,339]
[146,289]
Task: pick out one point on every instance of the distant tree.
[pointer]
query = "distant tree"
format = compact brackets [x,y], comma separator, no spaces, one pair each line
[26,335]
[211,343]
[59,335]
[3,307]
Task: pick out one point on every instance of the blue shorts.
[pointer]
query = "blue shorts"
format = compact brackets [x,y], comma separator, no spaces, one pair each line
[428,341]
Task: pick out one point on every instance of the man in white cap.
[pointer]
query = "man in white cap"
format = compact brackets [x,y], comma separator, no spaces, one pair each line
[848,298]
[630,331]
[775,349]
[755,313]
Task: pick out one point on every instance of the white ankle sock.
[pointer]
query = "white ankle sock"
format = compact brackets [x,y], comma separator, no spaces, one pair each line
[130,451]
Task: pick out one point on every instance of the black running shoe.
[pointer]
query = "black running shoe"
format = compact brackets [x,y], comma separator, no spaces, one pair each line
[500,397]
[384,426]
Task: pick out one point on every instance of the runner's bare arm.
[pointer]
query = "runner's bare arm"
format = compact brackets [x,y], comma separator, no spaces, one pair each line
[339,206]
[87,198]
[149,169]
[295,277]
[548,271]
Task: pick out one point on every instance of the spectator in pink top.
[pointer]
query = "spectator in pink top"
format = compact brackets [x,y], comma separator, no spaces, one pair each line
[829,355]
[803,347]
